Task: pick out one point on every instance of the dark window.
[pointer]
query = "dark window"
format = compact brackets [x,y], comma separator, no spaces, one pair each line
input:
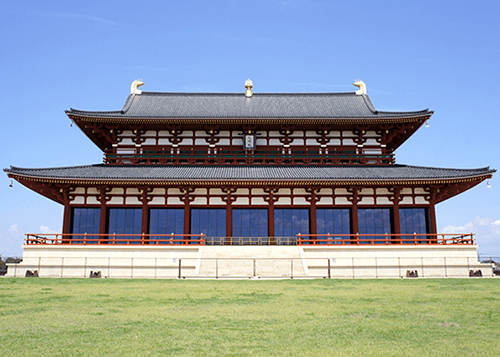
[85,220]
[250,223]
[166,221]
[333,221]
[413,220]
[374,221]
[125,221]
[209,221]
[288,222]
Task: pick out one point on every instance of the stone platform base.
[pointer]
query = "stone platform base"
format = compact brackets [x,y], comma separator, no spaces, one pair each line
[243,262]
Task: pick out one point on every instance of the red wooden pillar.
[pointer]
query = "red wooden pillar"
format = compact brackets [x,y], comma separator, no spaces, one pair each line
[229,222]
[187,218]
[396,220]
[270,223]
[66,218]
[354,211]
[313,198]
[432,222]
[270,199]
[145,198]
[103,220]
[145,217]
[187,212]
[313,223]
[432,218]
[354,218]
[229,199]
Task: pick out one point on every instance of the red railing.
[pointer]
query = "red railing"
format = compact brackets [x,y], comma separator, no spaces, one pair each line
[201,239]
[114,239]
[386,239]
[262,157]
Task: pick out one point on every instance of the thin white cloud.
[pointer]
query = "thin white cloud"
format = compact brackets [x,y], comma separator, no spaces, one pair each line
[46,230]
[253,39]
[157,69]
[289,4]
[487,234]
[319,85]
[14,228]
[70,15]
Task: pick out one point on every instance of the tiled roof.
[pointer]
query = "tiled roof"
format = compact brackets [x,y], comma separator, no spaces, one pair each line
[235,105]
[248,173]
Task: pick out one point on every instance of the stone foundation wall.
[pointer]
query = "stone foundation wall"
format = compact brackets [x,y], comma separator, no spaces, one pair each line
[436,261]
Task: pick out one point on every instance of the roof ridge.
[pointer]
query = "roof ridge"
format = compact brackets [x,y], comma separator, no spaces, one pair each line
[54,168]
[415,111]
[485,168]
[128,103]
[73,111]
[369,103]
[242,93]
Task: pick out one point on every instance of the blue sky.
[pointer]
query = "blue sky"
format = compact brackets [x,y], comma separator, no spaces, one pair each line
[412,54]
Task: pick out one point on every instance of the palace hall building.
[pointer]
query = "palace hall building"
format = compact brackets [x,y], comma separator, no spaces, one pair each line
[204,176]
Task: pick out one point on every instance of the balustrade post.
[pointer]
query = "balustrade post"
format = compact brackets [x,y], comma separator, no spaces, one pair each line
[357,238]
[415,237]
[85,239]
[329,240]
[114,238]
[299,240]
[171,238]
[143,241]
[386,239]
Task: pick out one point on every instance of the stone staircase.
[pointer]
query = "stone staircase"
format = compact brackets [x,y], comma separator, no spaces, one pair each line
[250,262]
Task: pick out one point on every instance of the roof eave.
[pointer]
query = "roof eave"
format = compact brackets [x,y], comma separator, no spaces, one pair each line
[241,182]
[229,120]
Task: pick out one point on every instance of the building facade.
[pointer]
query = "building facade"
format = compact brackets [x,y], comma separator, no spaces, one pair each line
[245,169]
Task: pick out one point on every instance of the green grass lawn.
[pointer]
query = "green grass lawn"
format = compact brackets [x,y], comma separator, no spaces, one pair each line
[107,317]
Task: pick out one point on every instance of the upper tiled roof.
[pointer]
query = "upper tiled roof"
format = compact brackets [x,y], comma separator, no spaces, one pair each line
[235,105]
[249,173]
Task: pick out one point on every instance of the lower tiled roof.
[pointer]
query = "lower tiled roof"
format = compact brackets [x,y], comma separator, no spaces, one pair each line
[248,173]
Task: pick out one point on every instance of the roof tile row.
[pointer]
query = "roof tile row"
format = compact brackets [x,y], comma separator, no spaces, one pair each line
[157,172]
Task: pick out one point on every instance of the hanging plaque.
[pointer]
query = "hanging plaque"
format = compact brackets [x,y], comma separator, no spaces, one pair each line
[249,141]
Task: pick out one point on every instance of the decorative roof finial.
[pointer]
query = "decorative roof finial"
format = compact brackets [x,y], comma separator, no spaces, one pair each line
[248,86]
[361,85]
[134,89]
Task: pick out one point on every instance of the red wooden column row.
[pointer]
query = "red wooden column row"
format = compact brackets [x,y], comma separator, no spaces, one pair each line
[270,199]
